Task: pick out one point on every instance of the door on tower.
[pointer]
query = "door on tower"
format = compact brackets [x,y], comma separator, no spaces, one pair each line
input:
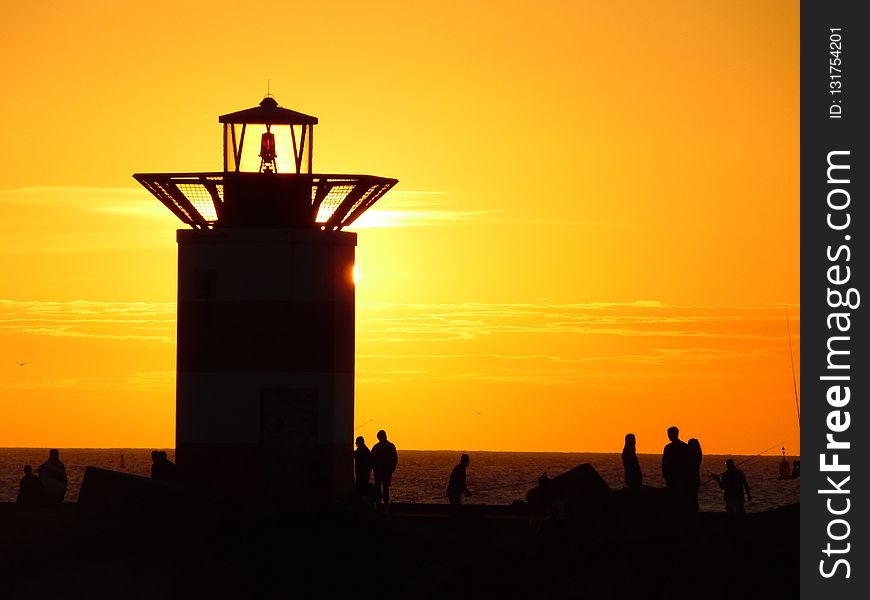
[290,469]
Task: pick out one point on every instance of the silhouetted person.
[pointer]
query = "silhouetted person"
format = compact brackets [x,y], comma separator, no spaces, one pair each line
[168,467]
[30,492]
[457,484]
[795,469]
[733,482]
[155,464]
[52,474]
[384,462]
[630,463]
[544,486]
[693,473]
[362,465]
[675,468]
[675,460]
[161,467]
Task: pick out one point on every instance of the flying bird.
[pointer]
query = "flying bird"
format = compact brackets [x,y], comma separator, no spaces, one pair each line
[21,364]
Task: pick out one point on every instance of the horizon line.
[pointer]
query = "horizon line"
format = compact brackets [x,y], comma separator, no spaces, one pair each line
[398,449]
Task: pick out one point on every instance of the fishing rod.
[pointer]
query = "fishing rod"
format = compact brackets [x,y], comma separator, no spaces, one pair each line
[747,460]
[791,360]
[757,455]
[361,424]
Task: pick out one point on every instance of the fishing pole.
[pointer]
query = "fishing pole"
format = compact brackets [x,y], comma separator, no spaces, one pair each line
[759,454]
[791,360]
[747,460]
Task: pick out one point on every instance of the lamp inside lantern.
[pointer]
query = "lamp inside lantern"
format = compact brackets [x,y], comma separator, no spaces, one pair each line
[268,155]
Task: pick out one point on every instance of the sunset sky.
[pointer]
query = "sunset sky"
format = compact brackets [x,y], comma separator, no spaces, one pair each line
[595,230]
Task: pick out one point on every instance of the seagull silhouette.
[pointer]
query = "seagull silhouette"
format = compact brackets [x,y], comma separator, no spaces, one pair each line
[21,364]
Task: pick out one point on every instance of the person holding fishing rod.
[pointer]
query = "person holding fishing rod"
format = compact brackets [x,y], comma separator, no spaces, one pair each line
[733,482]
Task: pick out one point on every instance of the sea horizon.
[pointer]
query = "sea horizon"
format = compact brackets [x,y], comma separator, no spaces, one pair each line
[467,450]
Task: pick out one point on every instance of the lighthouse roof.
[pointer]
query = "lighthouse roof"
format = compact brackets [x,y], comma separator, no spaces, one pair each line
[268,113]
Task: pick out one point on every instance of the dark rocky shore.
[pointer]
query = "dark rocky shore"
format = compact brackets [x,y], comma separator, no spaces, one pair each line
[204,549]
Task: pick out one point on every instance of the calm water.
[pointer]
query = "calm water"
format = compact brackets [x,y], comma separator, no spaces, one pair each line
[493,477]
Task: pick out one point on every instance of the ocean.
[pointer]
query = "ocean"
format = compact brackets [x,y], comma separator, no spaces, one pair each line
[493,477]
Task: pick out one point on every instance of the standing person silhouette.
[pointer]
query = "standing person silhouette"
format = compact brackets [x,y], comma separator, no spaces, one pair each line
[167,466]
[675,467]
[693,473]
[161,467]
[457,484]
[362,465]
[52,473]
[156,465]
[630,463]
[30,492]
[733,482]
[385,459]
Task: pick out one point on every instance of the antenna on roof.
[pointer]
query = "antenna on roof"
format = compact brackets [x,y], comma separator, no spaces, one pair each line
[268,87]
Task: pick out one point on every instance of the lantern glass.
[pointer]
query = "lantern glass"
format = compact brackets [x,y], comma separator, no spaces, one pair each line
[290,158]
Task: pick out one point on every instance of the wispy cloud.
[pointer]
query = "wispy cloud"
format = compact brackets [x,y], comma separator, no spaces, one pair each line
[142,381]
[543,341]
[147,321]
[97,213]
[408,208]
[606,341]
[643,318]
[59,220]
[124,201]
[439,322]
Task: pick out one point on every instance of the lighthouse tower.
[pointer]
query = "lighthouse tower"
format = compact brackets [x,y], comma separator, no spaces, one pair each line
[264,396]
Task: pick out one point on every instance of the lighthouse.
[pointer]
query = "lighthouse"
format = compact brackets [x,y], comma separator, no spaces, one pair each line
[265,356]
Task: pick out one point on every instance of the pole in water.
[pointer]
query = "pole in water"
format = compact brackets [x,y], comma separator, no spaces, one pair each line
[784,469]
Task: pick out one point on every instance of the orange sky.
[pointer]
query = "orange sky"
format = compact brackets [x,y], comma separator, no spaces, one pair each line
[595,230]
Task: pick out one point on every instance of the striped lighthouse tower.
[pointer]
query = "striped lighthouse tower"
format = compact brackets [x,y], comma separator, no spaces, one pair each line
[264,397]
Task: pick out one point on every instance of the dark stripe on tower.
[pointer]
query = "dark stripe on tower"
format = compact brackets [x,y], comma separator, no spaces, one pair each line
[287,336]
